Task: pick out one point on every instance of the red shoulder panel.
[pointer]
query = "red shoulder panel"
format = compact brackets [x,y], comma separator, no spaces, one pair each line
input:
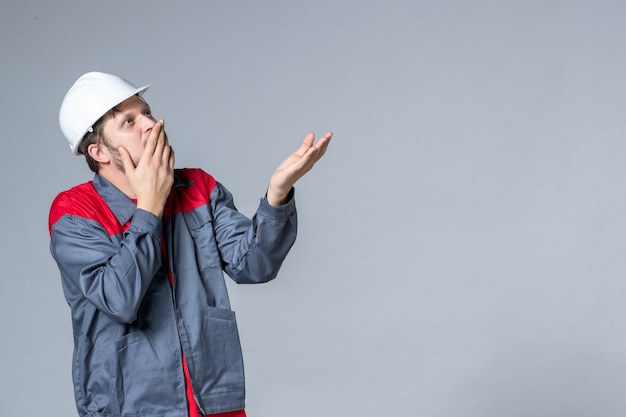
[83,201]
[185,199]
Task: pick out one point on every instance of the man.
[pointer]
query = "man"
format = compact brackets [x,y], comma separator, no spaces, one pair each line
[142,250]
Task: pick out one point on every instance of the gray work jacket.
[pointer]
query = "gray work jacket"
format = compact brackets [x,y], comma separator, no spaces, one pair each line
[135,312]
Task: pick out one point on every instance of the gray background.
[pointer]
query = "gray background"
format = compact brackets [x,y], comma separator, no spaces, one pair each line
[461,244]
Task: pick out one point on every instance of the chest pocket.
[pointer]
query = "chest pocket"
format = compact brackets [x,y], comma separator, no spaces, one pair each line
[200,225]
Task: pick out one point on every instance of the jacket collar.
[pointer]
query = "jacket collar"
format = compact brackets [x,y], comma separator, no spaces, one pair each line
[123,207]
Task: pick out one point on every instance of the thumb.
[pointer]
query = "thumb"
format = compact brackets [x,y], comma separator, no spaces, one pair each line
[127,161]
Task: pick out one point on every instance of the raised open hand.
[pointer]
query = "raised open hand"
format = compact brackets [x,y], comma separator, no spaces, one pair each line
[295,166]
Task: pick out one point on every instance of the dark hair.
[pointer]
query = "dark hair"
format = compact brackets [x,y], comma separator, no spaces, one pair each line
[95,136]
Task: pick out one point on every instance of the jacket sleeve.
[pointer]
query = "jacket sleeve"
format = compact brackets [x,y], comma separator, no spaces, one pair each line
[112,276]
[253,250]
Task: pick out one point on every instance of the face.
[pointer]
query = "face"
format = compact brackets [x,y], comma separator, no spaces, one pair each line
[128,125]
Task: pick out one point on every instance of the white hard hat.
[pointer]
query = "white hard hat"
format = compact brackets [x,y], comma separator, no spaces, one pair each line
[90,98]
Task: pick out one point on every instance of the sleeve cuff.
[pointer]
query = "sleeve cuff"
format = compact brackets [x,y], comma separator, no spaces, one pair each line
[146,221]
[278,212]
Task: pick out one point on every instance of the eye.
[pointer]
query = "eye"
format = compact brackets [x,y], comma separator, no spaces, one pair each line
[128,121]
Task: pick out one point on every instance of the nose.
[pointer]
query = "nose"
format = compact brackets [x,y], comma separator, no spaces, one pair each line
[147,122]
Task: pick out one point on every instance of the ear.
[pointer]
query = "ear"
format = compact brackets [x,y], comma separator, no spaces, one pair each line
[99,153]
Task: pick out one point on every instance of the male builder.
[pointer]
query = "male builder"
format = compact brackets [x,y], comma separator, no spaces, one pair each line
[142,249]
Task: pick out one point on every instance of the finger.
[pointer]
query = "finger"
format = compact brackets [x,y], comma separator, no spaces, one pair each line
[309,138]
[163,134]
[308,160]
[320,148]
[127,162]
[165,155]
[161,142]
[153,138]
[325,139]
[323,143]
[171,159]
[306,143]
